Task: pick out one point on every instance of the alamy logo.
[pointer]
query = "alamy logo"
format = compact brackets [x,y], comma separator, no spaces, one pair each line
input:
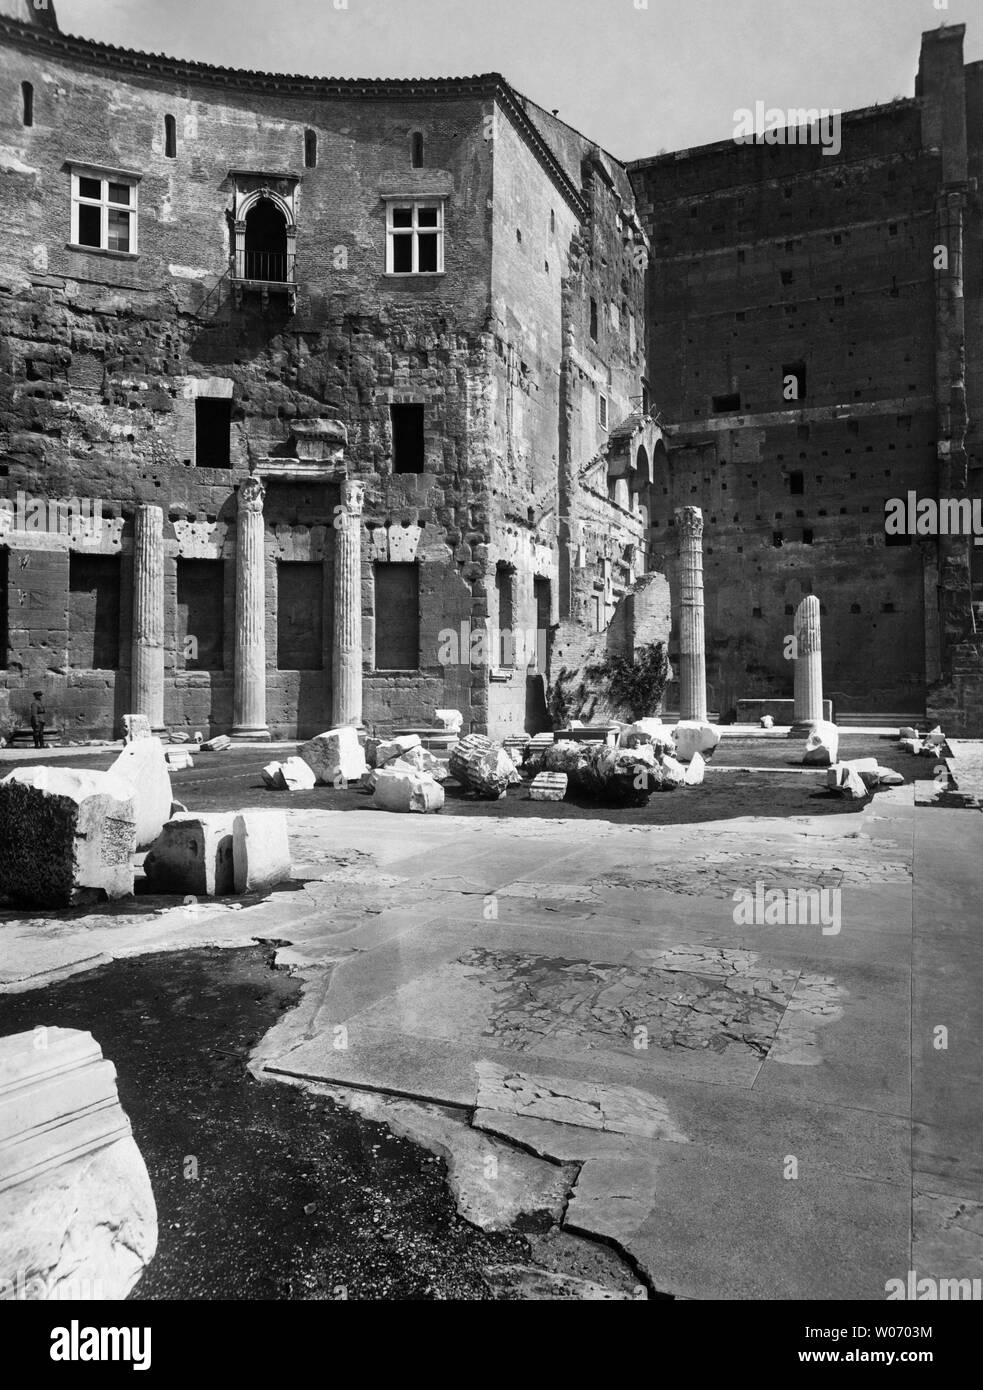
[75,1343]
[943,1290]
[58,516]
[797,126]
[788,907]
[925,516]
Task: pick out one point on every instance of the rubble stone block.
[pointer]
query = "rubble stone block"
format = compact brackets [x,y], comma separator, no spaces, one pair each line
[673,772]
[292,775]
[694,736]
[767,722]
[822,745]
[449,719]
[886,777]
[136,726]
[482,766]
[260,850]
[77,1213]
[193,854]
[178,758]
[614,776]
[399,747]
[335,754]
[696,771]
[143,765]
[217,744]
[407,791]
[67,836]
[548,786]
[845,779]
[911,745]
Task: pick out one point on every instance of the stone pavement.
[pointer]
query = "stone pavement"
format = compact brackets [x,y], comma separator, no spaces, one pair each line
[570,1013]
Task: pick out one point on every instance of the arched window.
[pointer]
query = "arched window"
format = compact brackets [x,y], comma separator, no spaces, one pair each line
[416,149]
[170,137]
[266,242]
[27,95]
[310,149]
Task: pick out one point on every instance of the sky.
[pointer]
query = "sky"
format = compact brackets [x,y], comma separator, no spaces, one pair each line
[638,76]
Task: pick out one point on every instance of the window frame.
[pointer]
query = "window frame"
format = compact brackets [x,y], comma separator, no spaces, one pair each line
[604,412]
[105,205]
[413,233]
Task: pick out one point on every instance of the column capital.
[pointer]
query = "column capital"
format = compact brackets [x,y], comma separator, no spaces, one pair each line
[689,521]
[251,494]
[352,496]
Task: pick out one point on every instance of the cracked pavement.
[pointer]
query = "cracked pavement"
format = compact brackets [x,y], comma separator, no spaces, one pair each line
[579,1026]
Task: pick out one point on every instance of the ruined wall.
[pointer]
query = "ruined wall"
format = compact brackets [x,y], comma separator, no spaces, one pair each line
[765,258]
[99,351]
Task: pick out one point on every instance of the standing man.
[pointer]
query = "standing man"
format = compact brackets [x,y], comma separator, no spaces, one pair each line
[39,716]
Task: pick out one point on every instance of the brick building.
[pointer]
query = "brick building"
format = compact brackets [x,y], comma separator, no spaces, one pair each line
[297,377]
[777,262]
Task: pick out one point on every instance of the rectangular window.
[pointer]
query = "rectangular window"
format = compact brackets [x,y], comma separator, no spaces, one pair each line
[796,484]
[397,617]
[593,319]
[104,211]
[200,636]
[415,238]
[543,597]
[213,429]
[602,411]
[408,440]
[725,404]
[300,615]
[505,589]
[93,612]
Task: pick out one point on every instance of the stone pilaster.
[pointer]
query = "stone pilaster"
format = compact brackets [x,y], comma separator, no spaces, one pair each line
[249,690]
[147,679]
[346,654]
[692,650]
[808,666]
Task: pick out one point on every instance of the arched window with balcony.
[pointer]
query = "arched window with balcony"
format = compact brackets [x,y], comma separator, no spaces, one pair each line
[264,253]
[266,243]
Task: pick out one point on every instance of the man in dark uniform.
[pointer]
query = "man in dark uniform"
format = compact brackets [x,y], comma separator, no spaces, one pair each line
[39,716]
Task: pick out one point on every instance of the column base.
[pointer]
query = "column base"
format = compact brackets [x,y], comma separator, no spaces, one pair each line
[802,728]
[244,734]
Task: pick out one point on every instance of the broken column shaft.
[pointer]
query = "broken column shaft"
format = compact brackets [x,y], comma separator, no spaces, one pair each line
[249,689]
[147,694]
[692,657]
[808,666]
[346,664]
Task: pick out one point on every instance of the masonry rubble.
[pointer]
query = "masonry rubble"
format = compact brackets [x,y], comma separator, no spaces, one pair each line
[482,767]
[548,786]
[409,790]
[67,836]
[193,854]
[291,775]
[260,850]
[142,763]
[335,755]
[822,745]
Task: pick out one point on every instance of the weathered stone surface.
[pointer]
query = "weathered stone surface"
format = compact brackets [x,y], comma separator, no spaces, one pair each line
[292,775]
[673,772]
[845,779]
[767,722]
[617,776]
[178,759]
[696,771]
[591,1105]
[335,755]
[390,749]
[822,745]
[482,766]
[260,850]
[647,732]
[407,791]
[77,1212]
[217,744]
[66,836]
[548,786]
[531,1284]
[886,777]
[143,765]
[193,854]
[911,745]
[694,736]
[450,719]
[136,726]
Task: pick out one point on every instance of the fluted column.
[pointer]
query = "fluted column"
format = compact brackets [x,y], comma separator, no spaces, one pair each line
[249,691]
[147,680]
[346,663]
[692,651]
[808,665]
